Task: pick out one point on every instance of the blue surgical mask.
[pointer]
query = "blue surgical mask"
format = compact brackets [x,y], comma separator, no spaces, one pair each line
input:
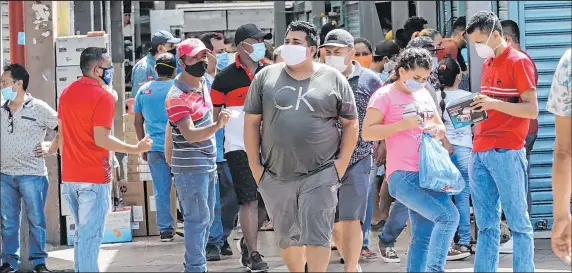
[259,52]
[413,85]
[8,93]
[107,76]
[383,76]
[221,60]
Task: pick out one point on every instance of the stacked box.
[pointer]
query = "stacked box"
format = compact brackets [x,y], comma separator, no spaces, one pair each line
[137,168]
[152,208]
[117,227]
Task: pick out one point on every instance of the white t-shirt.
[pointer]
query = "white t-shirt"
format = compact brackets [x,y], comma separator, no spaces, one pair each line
[462,136]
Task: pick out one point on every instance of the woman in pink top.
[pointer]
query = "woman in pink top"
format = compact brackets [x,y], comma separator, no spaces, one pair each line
[399,113]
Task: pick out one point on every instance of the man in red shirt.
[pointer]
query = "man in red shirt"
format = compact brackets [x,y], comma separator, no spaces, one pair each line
[511,34]
[85,116]
[497,168]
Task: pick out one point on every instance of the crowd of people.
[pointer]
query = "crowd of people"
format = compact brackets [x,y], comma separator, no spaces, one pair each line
[320,136]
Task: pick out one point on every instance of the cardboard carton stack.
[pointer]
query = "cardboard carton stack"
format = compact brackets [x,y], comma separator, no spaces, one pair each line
[137,168]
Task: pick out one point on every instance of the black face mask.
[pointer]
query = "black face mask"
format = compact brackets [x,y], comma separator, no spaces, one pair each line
[173,51]
[197,70]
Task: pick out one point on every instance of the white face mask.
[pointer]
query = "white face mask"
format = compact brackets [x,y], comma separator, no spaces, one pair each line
[483,50]
[389,66]
[293,54]
[337,62]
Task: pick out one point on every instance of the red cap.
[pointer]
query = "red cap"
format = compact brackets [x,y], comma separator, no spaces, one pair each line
[191,47]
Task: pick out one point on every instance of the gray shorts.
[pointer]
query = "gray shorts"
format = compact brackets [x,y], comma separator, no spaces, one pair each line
[302,210]
[354,191]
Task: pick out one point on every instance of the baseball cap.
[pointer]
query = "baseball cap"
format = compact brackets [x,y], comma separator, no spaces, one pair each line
[338,37]
[422,42]
[386,48]
[163,36]
[191,47]
[250,31]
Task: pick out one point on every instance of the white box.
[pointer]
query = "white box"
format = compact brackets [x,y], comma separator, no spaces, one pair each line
[69,48]
[117,227]
[65,75]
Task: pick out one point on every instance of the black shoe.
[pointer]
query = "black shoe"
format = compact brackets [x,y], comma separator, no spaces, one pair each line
[378,227]
[212,253]
[6,268]
[226,250]
[243,249]
[256,264]
[41,268]
[167,236]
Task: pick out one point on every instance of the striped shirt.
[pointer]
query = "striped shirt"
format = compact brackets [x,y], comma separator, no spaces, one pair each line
[184,102]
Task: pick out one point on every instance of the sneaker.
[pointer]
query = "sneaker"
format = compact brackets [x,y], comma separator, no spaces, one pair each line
[507,247]
[464,248]
[378,227]
[41,268]
[455,255]
[167,236]
[358,268]
[256,264]
[367,254]
[226,250]
[6,268]
[389,255]
[243,252]
[180,231]
[212,253]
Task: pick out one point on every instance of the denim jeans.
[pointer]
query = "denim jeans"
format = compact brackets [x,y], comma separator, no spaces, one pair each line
[462,200]
[162,183]
[197,195]
[226,207]
[89,204]
[32,190]
[498,177]
[366,226]
[395,224]
[434,220]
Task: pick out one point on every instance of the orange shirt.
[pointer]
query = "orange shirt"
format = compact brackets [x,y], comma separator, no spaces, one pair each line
[505,78]
[83,105]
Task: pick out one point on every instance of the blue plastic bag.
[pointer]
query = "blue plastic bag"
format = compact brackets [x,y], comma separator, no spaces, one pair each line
[436,170]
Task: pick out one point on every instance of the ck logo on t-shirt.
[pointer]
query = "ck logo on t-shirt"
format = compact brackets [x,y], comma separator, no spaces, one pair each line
[284,100]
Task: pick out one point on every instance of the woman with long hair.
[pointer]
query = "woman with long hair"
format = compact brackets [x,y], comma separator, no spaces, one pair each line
[400,113]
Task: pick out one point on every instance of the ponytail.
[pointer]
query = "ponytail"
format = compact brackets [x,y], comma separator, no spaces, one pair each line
[447,73]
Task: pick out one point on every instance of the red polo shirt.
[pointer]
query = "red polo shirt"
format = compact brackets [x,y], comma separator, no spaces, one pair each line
[84,104]
[533,128]
[505,78]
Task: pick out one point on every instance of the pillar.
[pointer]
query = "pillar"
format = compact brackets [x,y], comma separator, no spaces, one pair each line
[40,23]
[399,14]
[118,57]
[16,23]
[428,10]
[369,22]
[279,22]
[83,16]
[98,15]
[475,62]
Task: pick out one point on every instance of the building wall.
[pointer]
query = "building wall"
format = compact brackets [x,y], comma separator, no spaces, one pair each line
[5,46]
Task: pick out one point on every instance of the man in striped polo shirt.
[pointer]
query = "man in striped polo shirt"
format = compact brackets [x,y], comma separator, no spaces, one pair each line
[191,151]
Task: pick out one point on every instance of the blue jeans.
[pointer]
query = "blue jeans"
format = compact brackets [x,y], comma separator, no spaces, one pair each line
[197,195]
[366,227]
[462,200]
[498,176]
[395,224]
[226,207]
[32,190]
[434,220]
[162,181]
[89,204]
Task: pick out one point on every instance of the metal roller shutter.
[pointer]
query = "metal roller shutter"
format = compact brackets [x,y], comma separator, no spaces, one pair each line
[546,33]
[351,18]
[5,49]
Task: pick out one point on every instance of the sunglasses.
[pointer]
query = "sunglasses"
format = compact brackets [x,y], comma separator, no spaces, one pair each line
[10,123]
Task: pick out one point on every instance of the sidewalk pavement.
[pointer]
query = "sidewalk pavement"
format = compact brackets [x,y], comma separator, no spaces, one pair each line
[147,254]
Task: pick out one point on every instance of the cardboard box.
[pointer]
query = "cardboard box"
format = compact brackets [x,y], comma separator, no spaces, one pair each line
[69,48]
[139,177]
[134,197]
[117,227]
[65,75]
[152,208]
